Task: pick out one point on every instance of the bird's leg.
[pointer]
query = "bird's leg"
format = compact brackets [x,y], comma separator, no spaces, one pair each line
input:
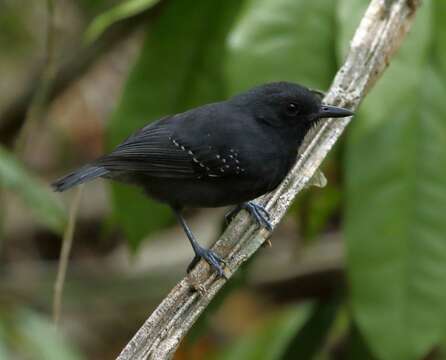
[258,212]
[200,253]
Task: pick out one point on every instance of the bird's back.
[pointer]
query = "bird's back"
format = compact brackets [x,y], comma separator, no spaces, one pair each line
[212,156]
[218,154]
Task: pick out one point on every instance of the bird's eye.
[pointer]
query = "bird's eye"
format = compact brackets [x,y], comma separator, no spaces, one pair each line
[292,109]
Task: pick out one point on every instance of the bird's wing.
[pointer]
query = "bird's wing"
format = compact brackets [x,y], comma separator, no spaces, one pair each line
[158,151]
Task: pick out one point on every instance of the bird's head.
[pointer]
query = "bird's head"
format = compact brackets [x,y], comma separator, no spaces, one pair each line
[288,105]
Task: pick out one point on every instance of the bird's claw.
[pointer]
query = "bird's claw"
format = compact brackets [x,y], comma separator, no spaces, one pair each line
[258,212]
[211,258]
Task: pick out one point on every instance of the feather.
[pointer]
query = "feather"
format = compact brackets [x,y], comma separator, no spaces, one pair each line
[156,150]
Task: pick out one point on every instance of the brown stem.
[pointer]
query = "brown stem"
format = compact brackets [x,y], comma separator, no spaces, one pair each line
[67,242]
[36,109]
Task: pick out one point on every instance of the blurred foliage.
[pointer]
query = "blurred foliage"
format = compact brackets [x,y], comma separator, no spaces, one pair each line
[282,40]
[13,28]
[308,341]
[29,335]
[270,340]
[396,201]
[357,346]
[95,8]
[119,12]
[38,196]
[203,323]
[321,207]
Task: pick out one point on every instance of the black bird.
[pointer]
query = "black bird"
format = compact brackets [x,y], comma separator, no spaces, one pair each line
[225,153]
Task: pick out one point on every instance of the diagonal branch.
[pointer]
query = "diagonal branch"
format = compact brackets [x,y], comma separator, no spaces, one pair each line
[378,36]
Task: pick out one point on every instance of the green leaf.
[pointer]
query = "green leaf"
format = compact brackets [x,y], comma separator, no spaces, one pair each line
[4,353]
[180,67]
[40,339]
[269,342]
[357,347]
[321,206]
[396,201]
[439,28]
[38,196]
[290,40]
[310,339]
[122,11]
[349,14]
[15,35]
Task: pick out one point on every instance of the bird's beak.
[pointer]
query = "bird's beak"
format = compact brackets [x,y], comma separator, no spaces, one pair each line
[328,111]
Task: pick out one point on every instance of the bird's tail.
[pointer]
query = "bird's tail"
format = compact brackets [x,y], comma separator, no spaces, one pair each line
[84,174]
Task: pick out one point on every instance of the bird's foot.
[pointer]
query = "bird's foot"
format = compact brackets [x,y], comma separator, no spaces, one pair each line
[211,258]
[258,212]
